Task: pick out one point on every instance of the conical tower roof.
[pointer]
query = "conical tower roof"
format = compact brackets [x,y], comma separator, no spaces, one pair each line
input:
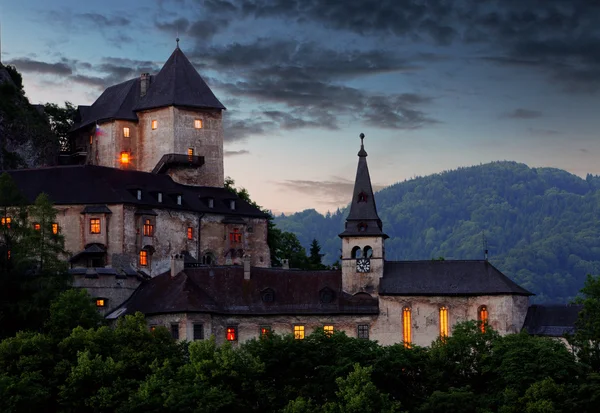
[363,219]
[178,84]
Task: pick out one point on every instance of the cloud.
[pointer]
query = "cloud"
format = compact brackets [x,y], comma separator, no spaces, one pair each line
[241,129]
[522,114]
[37,66]
[103,21]
[179,25]
[236,153]
[335,191]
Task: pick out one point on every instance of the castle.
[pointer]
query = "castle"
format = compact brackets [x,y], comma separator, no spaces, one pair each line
[144,210]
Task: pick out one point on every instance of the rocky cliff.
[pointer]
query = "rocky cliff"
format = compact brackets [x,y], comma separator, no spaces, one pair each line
[26,140]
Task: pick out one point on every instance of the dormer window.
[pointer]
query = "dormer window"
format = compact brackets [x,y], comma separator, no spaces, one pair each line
[211,202]
[362,227]
[160,197]
[178,199]
[154,124]
[198,123]
[232,204]
[139,194]
[362,197]
[126,132]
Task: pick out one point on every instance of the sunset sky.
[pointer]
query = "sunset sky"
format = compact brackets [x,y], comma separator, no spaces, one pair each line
[434,85]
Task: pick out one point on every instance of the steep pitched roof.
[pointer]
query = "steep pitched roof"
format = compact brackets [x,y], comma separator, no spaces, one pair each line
[363,219]
[223,290]
[178,84]
[98,185]
[551,320]
[443,278]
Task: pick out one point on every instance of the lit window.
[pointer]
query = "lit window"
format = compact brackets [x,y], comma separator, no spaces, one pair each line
[299,332]
[235,236]
[231,333]
[154,124]
[190,153]
[6,221]
[153,328]
[100,302]
[406,327]
[483,318]
[198,123]
[198,331]
[37,226]
[175,331]
[54,228]
[126,132]
[124,158]
[143,258]
[178,199]
[148,228]
[95,226]
[91,139]
[265,331]
[443,322]
[190,233]
[160,197]
[328,330]
[363,331]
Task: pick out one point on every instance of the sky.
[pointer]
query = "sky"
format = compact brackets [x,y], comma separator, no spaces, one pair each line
[433,84]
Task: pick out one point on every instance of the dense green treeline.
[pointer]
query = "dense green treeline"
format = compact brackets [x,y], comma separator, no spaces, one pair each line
[78,364]
[541,225]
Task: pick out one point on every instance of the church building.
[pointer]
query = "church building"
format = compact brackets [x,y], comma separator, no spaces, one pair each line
[151,228]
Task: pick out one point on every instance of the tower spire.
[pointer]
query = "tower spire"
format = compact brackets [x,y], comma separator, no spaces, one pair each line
[363,219]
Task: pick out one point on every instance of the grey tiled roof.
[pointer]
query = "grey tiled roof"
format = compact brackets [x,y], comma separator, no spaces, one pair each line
[443,278]
[178,84]
[551,320]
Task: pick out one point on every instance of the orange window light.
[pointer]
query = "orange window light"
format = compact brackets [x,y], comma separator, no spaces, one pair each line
[231,334]
[444,322]
[6,221]
[154,124]
[148,228]
[235,236]
[198,123]
[143,258]
[483,318]
[126,132]
[37,226]
[264,331]
[100,302]
[190,233]
[54,228]
[124,158]
[95,226]
[406,327]
[299,332]
[328,330]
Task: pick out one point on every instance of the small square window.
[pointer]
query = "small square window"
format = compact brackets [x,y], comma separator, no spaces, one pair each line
[198,331]
[55,228]
[143,258]
[37,226]
[198,123]
[100,302]
[175,331]
[363,331]
[231,333]
[328,330]
[190,233]
[299,332]
[126,132]
[154,124]
[265,331]
[95,226]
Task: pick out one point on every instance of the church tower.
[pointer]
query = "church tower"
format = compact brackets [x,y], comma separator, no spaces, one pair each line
[363,239]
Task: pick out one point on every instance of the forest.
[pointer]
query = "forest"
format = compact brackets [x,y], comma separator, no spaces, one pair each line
[540,225]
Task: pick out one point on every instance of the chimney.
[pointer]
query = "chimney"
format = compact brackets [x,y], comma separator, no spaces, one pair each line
[285,264]
[144,83]
[246,267]
[176,264]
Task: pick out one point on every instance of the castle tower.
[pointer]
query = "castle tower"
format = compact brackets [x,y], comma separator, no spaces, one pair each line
[363,238]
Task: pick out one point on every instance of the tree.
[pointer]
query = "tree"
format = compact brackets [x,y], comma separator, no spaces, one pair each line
[586,340]
[315,256]
[73,308]
[61,121]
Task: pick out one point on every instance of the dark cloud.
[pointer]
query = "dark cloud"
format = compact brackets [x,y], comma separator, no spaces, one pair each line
[103,21]
[522,114]
[37,66]
[333,192]
[179,25]
[95,82]
[241,129]
[236,153]
[206,28]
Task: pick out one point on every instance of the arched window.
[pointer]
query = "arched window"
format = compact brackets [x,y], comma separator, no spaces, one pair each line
[482,317]
[356,252]
[368,252]
[444,322]
[208,258]
[406,327]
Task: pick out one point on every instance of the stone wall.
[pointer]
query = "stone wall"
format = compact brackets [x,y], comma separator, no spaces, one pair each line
[152,144]
[114,290]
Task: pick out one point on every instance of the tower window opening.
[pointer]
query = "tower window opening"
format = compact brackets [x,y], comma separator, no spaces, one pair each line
[198,123]
[368,252]
[444,322]
[126,132]
[125,158]
[356,252]
[299,332]
[154,124]
[148,228]
[483,318]
[406,327]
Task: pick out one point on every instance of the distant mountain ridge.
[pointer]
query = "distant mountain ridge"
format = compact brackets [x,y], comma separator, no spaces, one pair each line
[542,225]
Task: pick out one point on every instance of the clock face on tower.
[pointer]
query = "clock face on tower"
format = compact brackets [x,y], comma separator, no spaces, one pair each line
[363,265]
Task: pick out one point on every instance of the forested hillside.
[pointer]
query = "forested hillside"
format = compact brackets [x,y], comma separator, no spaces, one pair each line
[541,224]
